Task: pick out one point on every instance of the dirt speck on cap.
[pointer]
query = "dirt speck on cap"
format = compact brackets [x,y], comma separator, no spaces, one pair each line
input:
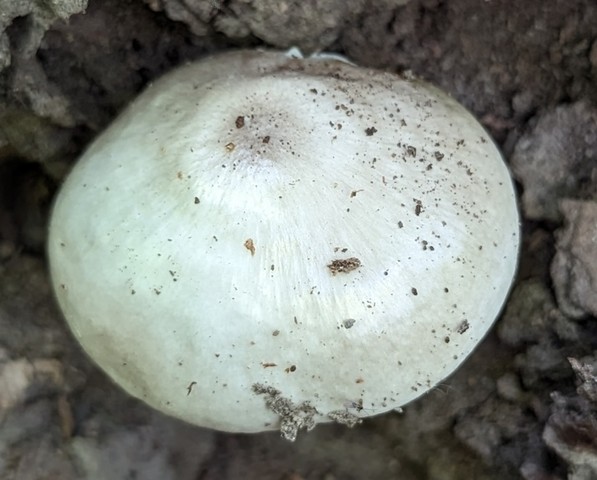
[345,265]
[250,245]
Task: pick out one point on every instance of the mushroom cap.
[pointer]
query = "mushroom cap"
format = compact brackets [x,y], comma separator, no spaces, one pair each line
[261,240]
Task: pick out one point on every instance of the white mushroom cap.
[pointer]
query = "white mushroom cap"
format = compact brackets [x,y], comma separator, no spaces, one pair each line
[261,242]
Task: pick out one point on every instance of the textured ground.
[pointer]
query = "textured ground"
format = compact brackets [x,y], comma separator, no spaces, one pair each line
[523,406]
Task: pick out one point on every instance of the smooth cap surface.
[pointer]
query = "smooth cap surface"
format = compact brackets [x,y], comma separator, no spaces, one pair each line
[260,240]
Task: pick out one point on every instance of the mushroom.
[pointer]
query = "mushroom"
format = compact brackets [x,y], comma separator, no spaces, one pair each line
[266,242]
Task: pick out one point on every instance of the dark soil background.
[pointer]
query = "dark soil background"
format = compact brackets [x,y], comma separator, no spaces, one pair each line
[525,403]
